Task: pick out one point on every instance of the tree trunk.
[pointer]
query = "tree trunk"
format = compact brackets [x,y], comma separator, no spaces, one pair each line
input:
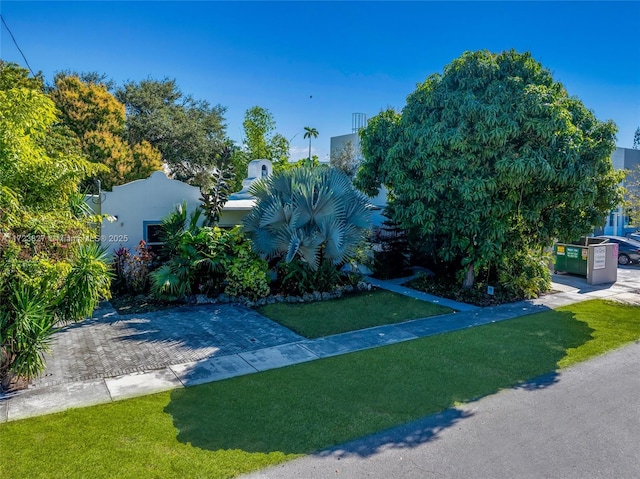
[469,278]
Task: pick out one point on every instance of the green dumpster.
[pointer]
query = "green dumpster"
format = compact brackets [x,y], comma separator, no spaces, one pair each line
[571,258]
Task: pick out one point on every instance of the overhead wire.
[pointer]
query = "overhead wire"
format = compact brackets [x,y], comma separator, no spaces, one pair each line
[16,44]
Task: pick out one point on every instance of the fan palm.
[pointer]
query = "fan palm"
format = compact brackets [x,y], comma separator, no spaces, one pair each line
[313,214]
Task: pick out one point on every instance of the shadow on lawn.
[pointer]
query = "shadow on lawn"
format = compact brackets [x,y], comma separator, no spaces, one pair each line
[408,435]
[408,391]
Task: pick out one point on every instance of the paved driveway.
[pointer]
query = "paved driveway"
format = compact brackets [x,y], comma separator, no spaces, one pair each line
[109,345]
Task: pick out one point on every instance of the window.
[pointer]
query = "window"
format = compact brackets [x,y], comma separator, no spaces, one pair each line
[264,171]
[151,234]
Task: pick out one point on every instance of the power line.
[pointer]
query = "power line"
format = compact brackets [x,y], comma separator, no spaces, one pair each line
[16,44]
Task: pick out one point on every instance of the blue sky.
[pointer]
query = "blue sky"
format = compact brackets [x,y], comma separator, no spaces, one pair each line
[316,63]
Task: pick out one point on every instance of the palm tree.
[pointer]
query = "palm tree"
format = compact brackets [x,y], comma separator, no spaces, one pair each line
[312,214]
[310,133]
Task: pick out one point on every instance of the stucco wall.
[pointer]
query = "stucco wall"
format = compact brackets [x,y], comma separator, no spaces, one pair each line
[142,201]
[338,142]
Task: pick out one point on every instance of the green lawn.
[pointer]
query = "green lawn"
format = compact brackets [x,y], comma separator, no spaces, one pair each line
[364,310]
[222,429]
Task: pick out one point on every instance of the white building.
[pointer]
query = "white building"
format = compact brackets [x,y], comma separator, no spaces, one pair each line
[139,206]
[618,221]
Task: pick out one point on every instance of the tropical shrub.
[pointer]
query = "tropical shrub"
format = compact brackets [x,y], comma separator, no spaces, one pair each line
[314,215]
[298,277]
[132,270]
[206,260]
[51,273]
[526,273]
[88,281]
[175,226]
[191,269]
[26,326]
[246,274]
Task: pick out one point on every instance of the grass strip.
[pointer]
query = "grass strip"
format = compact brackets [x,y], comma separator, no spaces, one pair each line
[364,310]
[230,427]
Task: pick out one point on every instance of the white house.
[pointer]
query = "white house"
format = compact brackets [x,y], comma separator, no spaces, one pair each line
[138,207]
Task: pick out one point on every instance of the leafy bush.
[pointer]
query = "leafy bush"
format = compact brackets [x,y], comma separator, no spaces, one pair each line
[88,281]
[297,277]
[525,273]
[132,270]
[448,286]
[245,273]
[39,293]
[192,269]
[207,260]
[176,225]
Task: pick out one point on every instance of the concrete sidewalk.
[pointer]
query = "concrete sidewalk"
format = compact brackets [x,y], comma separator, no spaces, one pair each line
[112,357]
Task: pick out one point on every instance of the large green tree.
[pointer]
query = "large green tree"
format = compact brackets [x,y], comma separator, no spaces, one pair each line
[491,161]
[189,133]
[51,271]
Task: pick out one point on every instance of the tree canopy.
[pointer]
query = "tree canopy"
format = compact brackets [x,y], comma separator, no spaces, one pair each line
[260,142]
[189,133]
[98,121]
[50,269]
[260,139]
[491,160]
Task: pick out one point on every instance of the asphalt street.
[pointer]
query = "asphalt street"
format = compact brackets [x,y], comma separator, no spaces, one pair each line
[582,423]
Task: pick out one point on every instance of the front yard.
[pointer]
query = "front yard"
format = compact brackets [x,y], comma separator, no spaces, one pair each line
[363,310]
[226,428]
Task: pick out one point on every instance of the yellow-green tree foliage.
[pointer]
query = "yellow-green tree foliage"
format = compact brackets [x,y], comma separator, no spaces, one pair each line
[50,269]
[98,120]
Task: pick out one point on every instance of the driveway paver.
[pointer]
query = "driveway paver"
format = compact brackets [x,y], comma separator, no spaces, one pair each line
[109,345]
